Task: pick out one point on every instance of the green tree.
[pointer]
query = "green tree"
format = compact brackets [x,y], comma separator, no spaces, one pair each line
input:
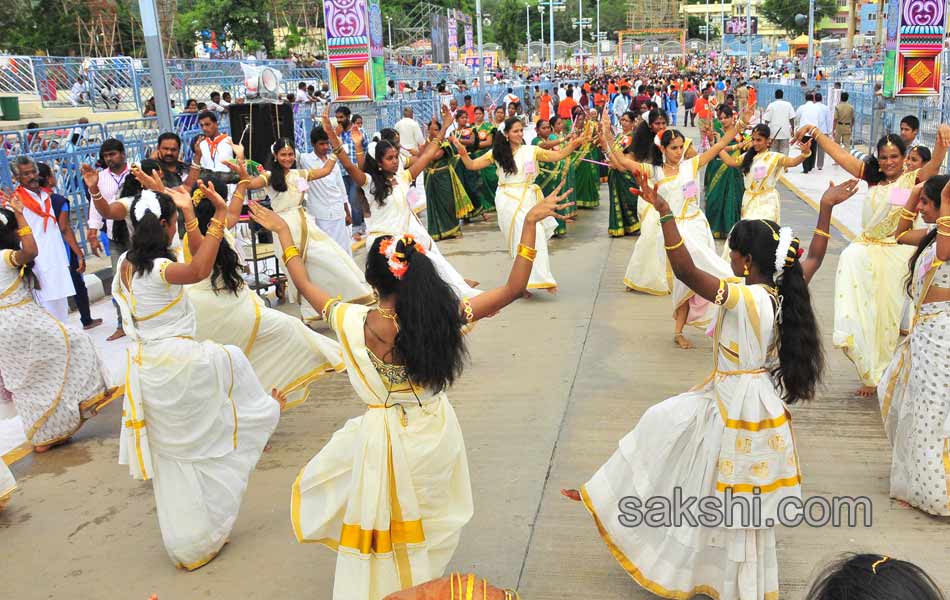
[243,21]
[508,24]
[693,31]
[782,13]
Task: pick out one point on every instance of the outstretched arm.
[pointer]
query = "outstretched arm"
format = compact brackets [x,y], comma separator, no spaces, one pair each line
[472,164]
[564,152]
[849,163]
[203,260]
[788,162]
[725,138]
[940,152]
[496,299]
[114,210]
[701,282]
[730,160]
[268,219]
[432,149]
[28,249]
[355,172]
[833,196]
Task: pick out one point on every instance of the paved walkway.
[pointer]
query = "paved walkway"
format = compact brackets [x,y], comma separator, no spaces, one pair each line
[553,384]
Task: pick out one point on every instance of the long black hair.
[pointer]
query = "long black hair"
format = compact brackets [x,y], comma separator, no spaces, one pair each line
[872,169]
[873,577]
[749,156]
[150,240]
[933,187]
[382,186]
[501,149]
[429,342]
[644,150]
[226,273]
[9,240]
[278,180]
[800,357]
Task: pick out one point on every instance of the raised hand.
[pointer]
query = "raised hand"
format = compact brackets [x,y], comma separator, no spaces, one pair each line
[806,147]
[149,181]
[199,139]
[458,145]
[549,206]
[89,176]
[836,194]
[181,198]
[943,135]
[357,135]
[211,194]
[945,194]
[266,218]
[649,193]
[238,167]
[15,204]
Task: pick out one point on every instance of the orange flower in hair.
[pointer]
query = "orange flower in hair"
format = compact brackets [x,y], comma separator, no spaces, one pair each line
[395,260]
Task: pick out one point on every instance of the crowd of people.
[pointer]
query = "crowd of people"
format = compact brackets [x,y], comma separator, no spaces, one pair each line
[209,367]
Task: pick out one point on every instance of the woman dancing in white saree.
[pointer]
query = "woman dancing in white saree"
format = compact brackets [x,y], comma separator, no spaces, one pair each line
[195,418]
[731,434]
[390,492]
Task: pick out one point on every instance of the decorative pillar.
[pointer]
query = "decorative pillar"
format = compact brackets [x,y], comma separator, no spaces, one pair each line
[376,49]
[923,25]
[348,49]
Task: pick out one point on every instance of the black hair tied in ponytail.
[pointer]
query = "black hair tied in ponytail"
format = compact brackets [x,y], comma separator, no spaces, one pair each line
[150,240]
[800,357]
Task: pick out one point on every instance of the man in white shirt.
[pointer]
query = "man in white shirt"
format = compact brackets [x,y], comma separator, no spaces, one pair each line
[621,104]
[826,127]
[411,137]
[215,104]
[105,186]
[78,94]
[215,148]
[779,116]
[809,114]
[327,197]
[51,265]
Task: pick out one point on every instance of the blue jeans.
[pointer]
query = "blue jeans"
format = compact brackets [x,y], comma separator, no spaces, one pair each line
[356,205]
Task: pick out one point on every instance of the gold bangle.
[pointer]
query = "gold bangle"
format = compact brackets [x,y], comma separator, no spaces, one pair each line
[239,197]
[943,233]
[191,225]
[806,155]
[908,213]
[215,232]
[467,309]
[290,253]
[25,230]
[676,245]
[943,220]
[245,180]
[720,292]
[217,221]
[824,234]
[527,252]
[902,234]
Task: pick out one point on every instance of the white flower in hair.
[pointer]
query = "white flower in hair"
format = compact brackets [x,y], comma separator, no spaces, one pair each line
[781,251]
[3,219]
[147,202]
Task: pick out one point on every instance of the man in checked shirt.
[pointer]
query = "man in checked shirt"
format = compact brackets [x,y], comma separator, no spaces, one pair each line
[357,156]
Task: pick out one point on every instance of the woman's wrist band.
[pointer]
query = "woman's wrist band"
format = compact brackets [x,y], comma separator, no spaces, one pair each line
[25,230]
[527,252]
[290,253]
[667,217]
[824,234]
[676,245]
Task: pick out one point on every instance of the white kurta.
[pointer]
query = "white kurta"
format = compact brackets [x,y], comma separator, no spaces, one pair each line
[516,195]
[390,492]
[869,283]
[732,432]
[913,394]
[195,418]
[328,265]
[285,353]
[51,266]
[396,217]
[648,269]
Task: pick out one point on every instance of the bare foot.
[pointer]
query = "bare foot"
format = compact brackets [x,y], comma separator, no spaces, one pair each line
[280,397]
[42,449]
[866,391]
[571,495]
[903,503]
[118,333]
[93,323]
[683,342]
[471,283]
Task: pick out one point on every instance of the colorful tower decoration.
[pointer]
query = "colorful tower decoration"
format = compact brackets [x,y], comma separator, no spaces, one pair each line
[349,52]
[376,49]
[915,34]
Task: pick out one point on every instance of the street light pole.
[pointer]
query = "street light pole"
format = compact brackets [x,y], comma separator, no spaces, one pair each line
[811,40]
[748,33]
[541,56]
[597,37]
[551,36]
[156,63]
[527,52]
[389,23]
[481,55]
[580,35]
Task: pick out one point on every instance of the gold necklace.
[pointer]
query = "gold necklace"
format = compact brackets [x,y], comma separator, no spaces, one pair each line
[390,314]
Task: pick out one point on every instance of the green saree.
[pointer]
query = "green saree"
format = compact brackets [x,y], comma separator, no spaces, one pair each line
[489,177]
[724,188]
[549,177]
[587,177]
[623,204]
[446,200]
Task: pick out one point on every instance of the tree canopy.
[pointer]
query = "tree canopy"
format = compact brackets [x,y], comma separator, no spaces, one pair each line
[782,13]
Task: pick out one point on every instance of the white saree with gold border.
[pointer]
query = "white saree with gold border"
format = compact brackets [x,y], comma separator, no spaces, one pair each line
[734,433]
[761,200]
[649,270]
[195,419]
[869,283]
[517,194]
[913,394]
[390,492]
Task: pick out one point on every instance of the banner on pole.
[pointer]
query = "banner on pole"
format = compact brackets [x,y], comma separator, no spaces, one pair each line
[923,25]
[348,49]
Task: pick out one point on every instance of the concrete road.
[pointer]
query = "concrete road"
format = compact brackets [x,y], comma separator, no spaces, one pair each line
[553,384]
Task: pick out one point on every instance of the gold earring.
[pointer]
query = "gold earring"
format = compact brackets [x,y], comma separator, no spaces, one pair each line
[745,270]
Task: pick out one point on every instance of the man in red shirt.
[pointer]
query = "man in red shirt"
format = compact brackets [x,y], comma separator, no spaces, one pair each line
[600,99]
[469,108]
[566,105]
[544,106]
